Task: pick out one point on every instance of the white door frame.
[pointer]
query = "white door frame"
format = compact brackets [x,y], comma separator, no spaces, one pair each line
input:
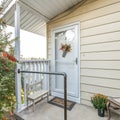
[78,46]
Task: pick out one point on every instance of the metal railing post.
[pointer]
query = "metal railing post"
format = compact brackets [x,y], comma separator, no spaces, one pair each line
[65,96]
[65,86]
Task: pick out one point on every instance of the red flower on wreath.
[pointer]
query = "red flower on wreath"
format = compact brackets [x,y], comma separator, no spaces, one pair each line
[66,47]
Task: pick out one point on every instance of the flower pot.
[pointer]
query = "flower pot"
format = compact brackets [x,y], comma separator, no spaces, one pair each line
[101,113]
[64,53]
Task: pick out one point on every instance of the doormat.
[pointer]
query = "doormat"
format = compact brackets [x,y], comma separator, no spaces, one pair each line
[60,103]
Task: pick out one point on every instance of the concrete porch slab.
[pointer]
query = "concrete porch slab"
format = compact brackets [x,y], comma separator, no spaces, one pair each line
[46,111]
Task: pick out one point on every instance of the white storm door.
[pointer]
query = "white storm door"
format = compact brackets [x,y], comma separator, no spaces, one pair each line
[67,35]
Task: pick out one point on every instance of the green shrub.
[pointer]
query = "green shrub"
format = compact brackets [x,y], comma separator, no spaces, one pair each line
[7,72]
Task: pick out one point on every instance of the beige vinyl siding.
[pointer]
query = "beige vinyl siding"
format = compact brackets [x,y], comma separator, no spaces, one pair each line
[103,38]
[108,65]
[99,43]
[102,73]
[101,56]
[108,83]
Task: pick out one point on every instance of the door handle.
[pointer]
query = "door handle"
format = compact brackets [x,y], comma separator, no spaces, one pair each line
[76,60]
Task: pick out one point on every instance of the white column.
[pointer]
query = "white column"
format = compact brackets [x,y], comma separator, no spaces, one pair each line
[17,55]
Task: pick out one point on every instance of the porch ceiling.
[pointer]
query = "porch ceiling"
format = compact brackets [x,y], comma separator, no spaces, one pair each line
[35,13]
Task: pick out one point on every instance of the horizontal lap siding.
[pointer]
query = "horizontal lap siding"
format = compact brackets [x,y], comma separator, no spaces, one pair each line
[103,38]
[101,56]
[108,65]
[113,74]
[98,81]
[100,46]
[109,46]
[108,28]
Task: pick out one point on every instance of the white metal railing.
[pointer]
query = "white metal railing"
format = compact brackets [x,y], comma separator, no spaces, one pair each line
[30,78]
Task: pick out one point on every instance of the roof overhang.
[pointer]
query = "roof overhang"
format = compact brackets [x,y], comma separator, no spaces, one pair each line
[35,13]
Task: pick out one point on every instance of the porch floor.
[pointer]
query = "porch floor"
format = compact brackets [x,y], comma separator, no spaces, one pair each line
[46,111]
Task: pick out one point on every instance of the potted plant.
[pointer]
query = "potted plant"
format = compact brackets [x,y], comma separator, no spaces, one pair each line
[99,102]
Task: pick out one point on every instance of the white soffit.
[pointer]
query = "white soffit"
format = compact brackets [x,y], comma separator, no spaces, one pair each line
[35,13]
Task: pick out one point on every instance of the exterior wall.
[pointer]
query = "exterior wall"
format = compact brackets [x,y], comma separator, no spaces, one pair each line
[100,45]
